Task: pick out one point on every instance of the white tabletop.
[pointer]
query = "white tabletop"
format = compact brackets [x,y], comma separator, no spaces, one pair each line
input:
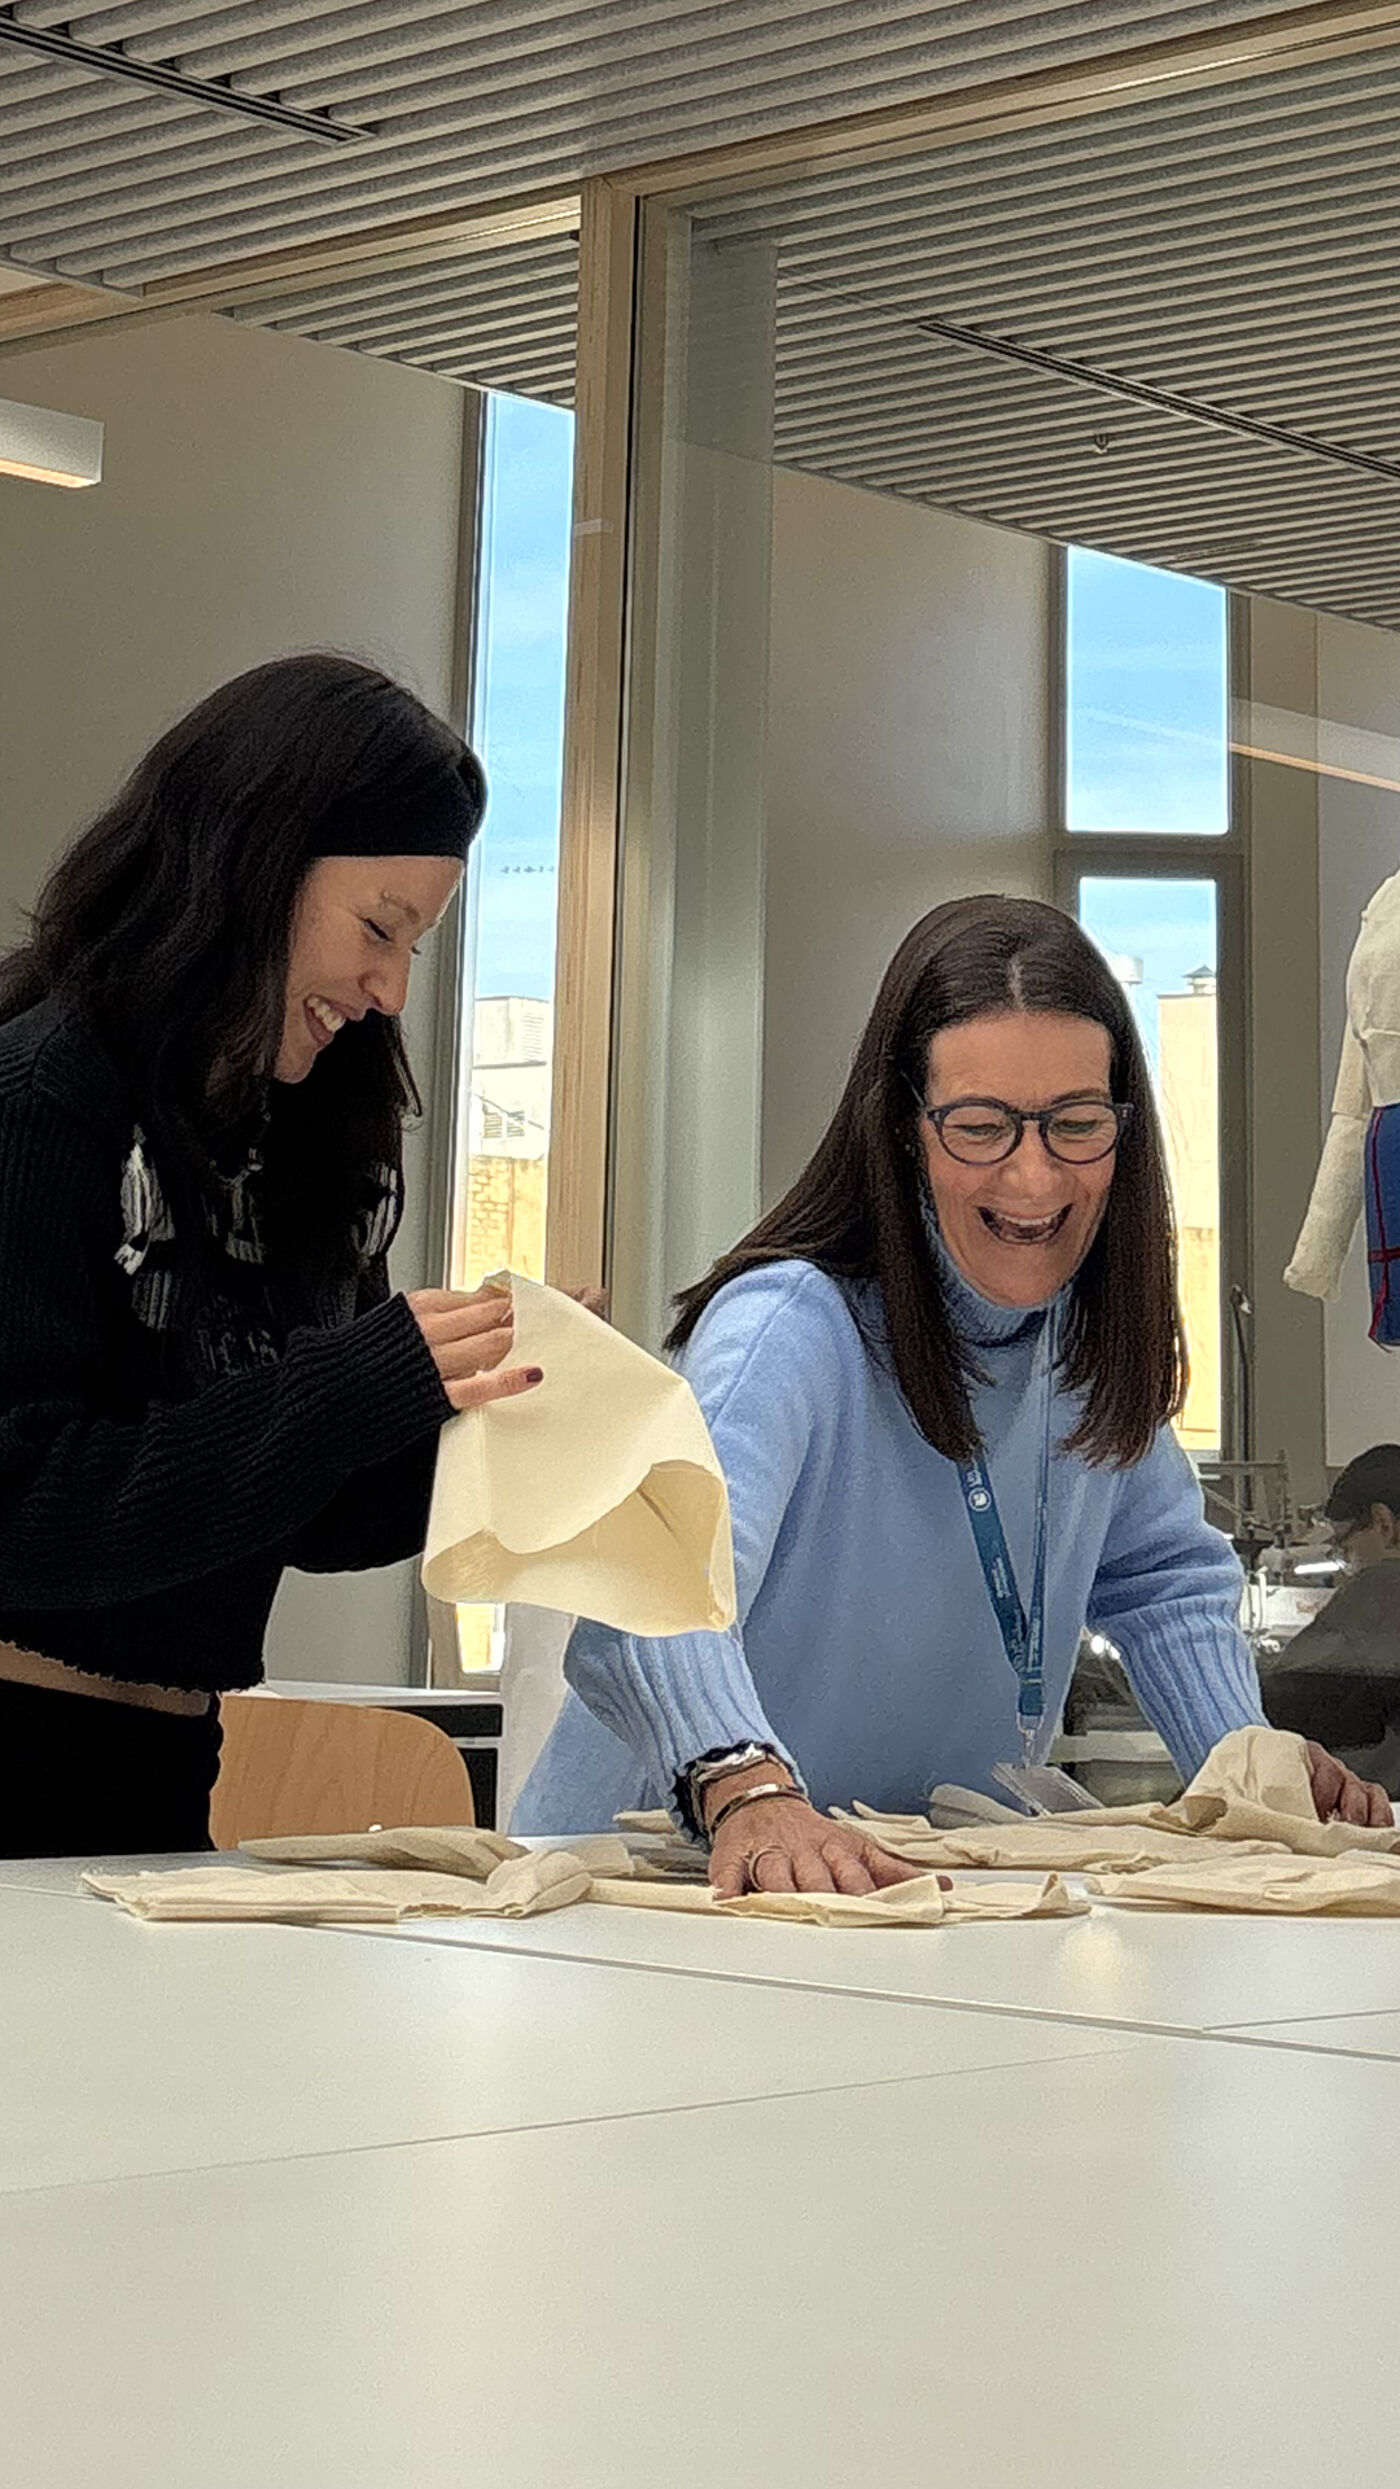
[128,2048]
[1168,2264]
[608,2199]
[1137,1970]
[1146,1972]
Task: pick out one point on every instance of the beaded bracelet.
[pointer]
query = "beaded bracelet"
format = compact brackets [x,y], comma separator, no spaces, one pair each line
[750,1797]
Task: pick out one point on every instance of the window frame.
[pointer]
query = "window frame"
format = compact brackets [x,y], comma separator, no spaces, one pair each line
[1222,858]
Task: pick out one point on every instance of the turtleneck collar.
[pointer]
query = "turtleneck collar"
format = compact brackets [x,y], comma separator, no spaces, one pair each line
[975,1317]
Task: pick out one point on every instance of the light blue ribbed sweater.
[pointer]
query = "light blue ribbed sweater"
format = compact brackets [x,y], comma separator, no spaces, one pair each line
[866,1647]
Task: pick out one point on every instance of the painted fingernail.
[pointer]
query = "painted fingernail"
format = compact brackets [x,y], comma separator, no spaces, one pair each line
[534,1374]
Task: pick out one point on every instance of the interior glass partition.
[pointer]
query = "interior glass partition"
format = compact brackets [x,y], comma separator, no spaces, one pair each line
[897,429]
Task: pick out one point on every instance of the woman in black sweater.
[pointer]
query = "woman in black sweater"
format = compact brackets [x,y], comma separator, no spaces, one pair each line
[203,1375]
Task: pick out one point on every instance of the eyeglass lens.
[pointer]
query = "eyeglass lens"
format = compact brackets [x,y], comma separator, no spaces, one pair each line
[980,1136]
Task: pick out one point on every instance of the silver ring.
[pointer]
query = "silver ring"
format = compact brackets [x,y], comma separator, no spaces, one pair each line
[752,1865]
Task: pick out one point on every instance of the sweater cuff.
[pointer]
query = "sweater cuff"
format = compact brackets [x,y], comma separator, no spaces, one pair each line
[374,1382]
[1195,1679]
[671,1699]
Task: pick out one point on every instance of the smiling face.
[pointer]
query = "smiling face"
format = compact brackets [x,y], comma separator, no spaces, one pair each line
[357,921]
[1018,1230]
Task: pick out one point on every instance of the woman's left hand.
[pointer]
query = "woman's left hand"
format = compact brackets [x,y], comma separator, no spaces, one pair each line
[1338,1792]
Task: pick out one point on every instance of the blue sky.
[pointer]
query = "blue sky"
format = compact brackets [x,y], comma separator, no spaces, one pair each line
[1147,744]
[518,726]
[1147,749]
[1148,699]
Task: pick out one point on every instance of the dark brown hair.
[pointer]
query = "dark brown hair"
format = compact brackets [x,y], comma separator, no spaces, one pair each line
[170,920]
[856,1210]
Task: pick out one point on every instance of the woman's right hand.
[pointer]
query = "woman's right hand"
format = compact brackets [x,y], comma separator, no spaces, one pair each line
[782,1845]
[468,1337]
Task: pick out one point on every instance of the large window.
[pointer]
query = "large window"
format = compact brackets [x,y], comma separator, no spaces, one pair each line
[1147,685]
[1147,776]
[507,983]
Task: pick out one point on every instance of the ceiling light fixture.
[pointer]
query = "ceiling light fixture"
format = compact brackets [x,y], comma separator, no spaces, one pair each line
[46,448]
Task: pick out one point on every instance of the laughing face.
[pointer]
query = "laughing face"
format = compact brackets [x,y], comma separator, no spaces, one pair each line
[358,922]
[1018,1230]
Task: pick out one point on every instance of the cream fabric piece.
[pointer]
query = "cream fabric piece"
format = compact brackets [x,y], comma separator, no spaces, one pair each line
[451,1849]
[341,1896]
[1355,1885]
[1253,1791]
[1067,1844]
[598,1494]
[522,1887]
[921,1902]
[1254,1786]
[1368,1077]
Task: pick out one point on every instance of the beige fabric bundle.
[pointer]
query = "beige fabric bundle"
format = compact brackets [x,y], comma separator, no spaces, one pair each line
[1357,1884]
[543,1880]
[1254,1786]
[599,1493]
[1253,1791]
[448,1849]
[921,1902]
[1060,1844]
[339,1896]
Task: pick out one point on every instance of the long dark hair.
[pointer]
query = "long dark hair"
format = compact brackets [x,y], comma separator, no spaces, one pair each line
[170,922]
[856,1210]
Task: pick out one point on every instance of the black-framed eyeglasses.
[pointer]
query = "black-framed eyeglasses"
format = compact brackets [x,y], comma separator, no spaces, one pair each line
[980,1132]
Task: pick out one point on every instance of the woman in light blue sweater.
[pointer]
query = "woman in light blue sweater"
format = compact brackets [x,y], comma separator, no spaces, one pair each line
[939,1378]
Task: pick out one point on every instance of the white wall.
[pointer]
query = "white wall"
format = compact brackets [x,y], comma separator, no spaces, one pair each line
[260,495]
[907,763]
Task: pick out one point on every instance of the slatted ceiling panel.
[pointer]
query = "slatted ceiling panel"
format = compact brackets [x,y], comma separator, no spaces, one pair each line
[1238,246]
[478,101]
[500,319]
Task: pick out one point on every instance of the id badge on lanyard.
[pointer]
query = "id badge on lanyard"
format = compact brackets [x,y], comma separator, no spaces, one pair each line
[1022,1628]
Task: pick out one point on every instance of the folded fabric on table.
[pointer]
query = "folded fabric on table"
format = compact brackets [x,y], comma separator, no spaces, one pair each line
[1254,1786]
[542,1880]
[1252,1791]
[921,1902]
[450,1849]
[599,1493]
[1357,1884]
[1062,1844]
[343,1896]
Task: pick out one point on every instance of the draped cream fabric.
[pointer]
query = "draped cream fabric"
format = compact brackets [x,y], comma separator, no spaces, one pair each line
[599,1493]
[543,1880]
[1355,1885]
[1244,1836]
[1252,1791]
[340,1896]
[450,1849]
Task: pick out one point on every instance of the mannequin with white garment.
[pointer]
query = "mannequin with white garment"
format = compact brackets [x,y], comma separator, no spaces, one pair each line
[1368,1078]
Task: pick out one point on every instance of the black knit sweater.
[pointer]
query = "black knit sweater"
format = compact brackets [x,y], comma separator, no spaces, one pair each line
[158,1472]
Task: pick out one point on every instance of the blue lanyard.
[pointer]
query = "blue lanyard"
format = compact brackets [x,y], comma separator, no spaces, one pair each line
[1022,1632]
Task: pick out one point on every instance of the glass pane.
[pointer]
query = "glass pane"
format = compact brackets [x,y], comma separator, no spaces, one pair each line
[1160,938]
[508,966]
[1146,699]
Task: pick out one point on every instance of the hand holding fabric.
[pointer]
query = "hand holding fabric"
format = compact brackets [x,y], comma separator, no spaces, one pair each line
[468,1336]
[1338,1793]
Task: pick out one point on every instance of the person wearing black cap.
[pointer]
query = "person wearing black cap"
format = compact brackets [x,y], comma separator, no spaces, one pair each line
[204,1377]
[1339,1679]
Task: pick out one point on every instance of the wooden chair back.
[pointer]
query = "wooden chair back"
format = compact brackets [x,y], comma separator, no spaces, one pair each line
[291,1766]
